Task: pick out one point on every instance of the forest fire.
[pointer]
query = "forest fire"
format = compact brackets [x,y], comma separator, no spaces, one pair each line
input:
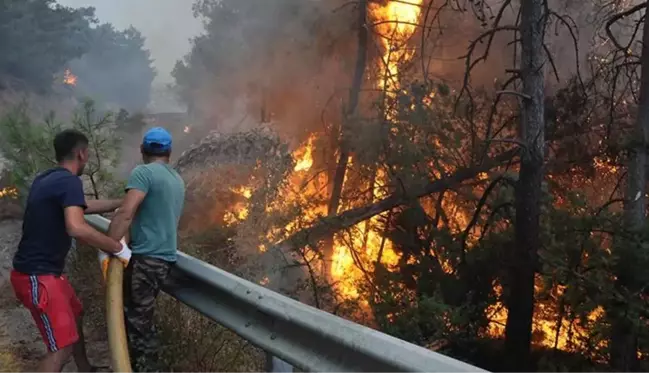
[469,176]
[360,248]
[391,243]
[69,78]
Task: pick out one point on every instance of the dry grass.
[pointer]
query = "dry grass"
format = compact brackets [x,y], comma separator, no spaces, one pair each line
[191,341]
[195,344]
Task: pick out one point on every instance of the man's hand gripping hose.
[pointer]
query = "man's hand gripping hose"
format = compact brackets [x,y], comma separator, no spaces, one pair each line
[124,256]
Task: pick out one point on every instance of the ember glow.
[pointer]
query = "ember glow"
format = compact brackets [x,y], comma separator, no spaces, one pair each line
[552,332]
[69,78]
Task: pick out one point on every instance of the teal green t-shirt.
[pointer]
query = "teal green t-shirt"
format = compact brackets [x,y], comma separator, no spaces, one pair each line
[155,226]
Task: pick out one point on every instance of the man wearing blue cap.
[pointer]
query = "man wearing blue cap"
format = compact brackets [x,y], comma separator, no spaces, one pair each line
[150,213]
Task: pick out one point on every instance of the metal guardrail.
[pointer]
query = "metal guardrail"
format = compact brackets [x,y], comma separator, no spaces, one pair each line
[304,336]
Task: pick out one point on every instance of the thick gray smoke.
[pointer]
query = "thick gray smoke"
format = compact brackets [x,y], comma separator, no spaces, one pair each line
[167,25]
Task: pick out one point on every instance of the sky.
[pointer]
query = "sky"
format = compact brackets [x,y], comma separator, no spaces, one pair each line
[167,25]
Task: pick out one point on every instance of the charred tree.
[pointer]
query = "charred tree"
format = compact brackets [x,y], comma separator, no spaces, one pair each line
[624,333]
[338,178]
[520,300]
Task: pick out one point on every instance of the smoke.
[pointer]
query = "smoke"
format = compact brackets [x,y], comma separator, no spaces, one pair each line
[167,25]
[291,62]
[286,62]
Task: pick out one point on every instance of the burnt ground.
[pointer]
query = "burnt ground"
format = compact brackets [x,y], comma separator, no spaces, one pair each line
[21,346]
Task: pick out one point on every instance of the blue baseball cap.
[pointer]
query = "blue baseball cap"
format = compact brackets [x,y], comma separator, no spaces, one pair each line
[157,140]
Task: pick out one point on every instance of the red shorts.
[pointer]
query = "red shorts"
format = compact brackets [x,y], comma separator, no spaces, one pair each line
[53,304]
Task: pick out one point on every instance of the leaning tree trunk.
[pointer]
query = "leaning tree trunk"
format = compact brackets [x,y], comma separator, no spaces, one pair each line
[343,155]
[520,300]
[623,333]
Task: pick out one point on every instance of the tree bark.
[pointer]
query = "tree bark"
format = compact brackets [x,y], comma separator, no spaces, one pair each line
[520,299]
[623,351]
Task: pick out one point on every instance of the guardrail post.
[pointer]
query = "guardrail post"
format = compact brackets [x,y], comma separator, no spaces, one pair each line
[274,364]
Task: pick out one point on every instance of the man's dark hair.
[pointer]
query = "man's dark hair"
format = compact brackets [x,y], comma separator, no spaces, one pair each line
[67,142]
[153,153]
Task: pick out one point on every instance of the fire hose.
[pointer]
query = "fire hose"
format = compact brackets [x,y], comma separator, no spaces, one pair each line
[117,342]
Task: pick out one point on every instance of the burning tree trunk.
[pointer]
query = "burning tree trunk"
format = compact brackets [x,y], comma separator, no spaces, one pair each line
[628,250]
[520,301]
[331,225]
[343,149]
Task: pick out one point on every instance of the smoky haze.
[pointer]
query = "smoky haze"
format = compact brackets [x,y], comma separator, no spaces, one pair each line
[167,25]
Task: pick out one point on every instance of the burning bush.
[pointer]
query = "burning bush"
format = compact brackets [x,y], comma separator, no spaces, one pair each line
[9,204]
[222,170]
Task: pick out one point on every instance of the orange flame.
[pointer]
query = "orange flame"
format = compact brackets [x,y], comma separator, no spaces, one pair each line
[239,211]
[396,21]
[552,332]
[69,78]
[305,156]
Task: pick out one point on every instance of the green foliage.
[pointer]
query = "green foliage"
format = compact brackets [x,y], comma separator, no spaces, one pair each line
[37,39]
[104,149]
[27,146]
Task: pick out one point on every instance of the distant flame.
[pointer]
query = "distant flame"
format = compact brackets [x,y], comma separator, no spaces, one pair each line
[9,192]
[69,78]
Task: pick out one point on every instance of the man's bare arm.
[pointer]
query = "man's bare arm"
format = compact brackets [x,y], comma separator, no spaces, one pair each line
[100,206]
[78,228]
[123,218]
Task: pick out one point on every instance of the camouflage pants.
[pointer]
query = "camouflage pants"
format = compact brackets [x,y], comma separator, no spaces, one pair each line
[143,279]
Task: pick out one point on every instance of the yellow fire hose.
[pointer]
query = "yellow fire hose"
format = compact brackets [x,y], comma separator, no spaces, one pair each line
[117,342]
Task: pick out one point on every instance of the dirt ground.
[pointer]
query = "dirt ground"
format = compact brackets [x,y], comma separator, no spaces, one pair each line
[21,346]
